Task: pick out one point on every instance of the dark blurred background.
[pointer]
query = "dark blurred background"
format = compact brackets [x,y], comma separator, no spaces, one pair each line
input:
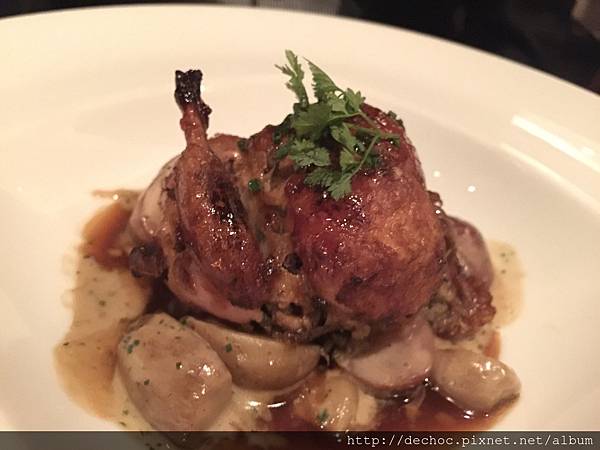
[561,37]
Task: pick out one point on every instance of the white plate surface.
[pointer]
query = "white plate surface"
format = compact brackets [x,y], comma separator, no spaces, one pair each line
[86,103]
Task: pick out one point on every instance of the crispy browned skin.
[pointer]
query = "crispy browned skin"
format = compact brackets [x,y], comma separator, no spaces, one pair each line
[378,252]
[463,303]
[211,216]
[310,263]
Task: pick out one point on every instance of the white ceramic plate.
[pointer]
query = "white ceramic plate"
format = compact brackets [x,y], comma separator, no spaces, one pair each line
[86,103]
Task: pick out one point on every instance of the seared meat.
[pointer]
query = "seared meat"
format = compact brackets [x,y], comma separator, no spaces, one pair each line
[243,238]
[211,258]
[378,252]
[463,303]
[212,220]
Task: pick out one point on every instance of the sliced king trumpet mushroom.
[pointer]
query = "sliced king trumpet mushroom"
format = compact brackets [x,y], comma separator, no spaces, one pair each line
[329,402]
[472,380]
[393,362]
[256,361]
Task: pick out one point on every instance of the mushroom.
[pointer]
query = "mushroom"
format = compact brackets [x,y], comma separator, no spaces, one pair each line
[255,361]
[147,215]
[328,402]
[472,380]
[172,375]
[393,362]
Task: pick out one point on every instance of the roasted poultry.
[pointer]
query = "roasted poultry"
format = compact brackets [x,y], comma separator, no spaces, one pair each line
[290,257]
[311,243]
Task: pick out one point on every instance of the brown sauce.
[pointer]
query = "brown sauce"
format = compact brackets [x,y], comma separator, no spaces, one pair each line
[107,297]
[103,236]
[430,412]
[435,413]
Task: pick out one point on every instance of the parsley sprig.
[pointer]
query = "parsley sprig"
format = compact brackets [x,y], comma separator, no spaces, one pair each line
[311,125]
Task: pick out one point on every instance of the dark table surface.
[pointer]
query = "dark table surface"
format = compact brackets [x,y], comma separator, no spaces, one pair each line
[539,33]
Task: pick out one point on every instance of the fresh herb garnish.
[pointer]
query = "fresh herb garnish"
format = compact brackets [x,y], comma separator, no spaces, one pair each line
[242,144]
[146,382]
[322,417]
[296,74]
[228,347]
[254,185]
[312,125]
[131,346]
[178,365]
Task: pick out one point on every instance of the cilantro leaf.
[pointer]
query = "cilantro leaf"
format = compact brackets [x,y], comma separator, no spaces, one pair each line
[341,187]
[341,133]
[312,121]
[312,128]
[323,86]
[338,106]
[348,160]
[305,153]
[296,74]
[371,161]
[353,100]
[321,176]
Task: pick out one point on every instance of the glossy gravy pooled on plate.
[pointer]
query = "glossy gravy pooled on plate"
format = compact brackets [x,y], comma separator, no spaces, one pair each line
[106,298]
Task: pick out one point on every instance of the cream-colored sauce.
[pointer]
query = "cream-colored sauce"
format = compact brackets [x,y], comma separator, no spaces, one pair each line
[105,301]
[507,286]
[246,411]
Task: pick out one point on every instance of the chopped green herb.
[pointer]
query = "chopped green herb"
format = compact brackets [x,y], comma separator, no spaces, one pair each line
[131,346]
[254,185]
[242,144]
[178,365]
[183,320]
[322,417]
[296,74]
[228,347]
[392,114]
[312,126]
[304,153]
[146,382]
